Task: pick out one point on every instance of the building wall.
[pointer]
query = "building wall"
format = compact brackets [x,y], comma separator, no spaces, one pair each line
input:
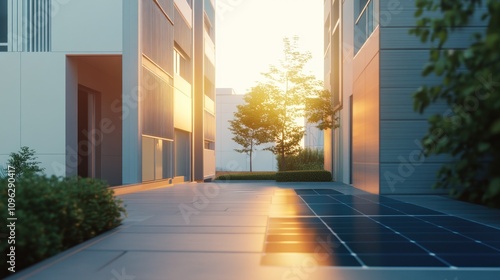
[138,88]
[402,57]
[36,91]
[33,107]
[365,127]
[227,159]
[99,32]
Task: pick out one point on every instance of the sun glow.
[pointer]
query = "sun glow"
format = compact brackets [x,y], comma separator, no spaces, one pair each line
[250,38]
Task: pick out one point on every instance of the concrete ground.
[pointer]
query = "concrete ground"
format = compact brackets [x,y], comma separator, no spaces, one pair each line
[218,231]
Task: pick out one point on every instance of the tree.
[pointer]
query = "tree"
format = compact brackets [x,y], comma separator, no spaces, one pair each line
[319,110]
[291,85]
[24,162]
[470,129]
[249,125]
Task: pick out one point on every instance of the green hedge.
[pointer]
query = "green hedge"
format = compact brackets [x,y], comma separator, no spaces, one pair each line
[55,214]
[248,176]
[304,176]
[306,159]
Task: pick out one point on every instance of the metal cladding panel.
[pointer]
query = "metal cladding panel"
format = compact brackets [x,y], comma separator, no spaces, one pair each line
[402,13]
[183,34]
[209,126]
[157,110]
[157,36]
[167,6]
[366,117]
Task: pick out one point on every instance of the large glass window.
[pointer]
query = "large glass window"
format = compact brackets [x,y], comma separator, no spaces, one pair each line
[365,22]
[3,25]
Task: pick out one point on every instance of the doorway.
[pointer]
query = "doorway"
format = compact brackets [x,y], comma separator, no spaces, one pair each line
[89,134]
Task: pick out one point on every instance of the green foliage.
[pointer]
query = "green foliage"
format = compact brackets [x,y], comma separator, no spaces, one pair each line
[307,159]
[251,121]
[470,130]
[304,176]
[23,162]
[291,87]
[55,214]
[248,176]
[319,110]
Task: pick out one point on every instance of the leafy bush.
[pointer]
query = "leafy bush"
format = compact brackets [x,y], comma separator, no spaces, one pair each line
[304,176]
[470,130]
[307,159]
[24,162]
[248,176]
[55,214]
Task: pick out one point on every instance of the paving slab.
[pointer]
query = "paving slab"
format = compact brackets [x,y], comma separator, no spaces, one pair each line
[268,230]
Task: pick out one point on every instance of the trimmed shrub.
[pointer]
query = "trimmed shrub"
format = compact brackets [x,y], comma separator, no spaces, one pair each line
[248,176]
[304,176]
[307,159]
[55,214]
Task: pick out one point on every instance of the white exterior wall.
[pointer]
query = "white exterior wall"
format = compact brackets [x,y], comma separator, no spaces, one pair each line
[33,100]
[89,26]
[33,84]
[227,159]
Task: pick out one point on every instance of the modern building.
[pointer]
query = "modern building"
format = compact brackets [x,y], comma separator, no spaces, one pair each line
[121,90]
[372,67]
[227,158]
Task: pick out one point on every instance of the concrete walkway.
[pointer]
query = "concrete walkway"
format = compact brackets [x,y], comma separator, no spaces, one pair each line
[217,231]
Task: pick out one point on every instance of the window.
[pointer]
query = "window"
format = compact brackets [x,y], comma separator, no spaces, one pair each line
[364,22]
[177,62]
[3,25]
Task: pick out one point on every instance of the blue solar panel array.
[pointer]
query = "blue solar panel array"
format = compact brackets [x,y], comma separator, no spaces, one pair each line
[377,231]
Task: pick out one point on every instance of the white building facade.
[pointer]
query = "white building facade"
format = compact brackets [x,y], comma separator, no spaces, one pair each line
[123,92]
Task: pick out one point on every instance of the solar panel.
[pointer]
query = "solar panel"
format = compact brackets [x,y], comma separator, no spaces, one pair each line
[378,231]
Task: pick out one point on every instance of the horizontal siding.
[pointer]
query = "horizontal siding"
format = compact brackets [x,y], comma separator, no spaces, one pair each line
[397,104]
[403,59]
[402,179]
[399,38]
[402,139]
[406,78]
[402,13]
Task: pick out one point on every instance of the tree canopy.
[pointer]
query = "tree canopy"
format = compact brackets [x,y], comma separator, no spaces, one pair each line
[279,102]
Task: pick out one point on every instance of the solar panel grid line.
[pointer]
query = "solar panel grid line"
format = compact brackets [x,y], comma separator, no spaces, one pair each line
[413,226]
[341,241]
[410,240]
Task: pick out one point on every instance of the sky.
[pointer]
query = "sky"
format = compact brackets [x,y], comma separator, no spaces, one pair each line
[249,38]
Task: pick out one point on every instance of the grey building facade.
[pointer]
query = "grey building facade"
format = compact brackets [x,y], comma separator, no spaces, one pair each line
[372,67]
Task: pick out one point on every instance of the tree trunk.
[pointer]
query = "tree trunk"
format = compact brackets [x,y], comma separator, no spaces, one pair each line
[283,164]
[251,151]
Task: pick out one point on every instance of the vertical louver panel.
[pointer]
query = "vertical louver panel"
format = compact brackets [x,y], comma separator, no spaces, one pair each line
[30,26]
[157,101]
[157,36]
[167,6]
[37,26]
[209,126]
[183,34]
